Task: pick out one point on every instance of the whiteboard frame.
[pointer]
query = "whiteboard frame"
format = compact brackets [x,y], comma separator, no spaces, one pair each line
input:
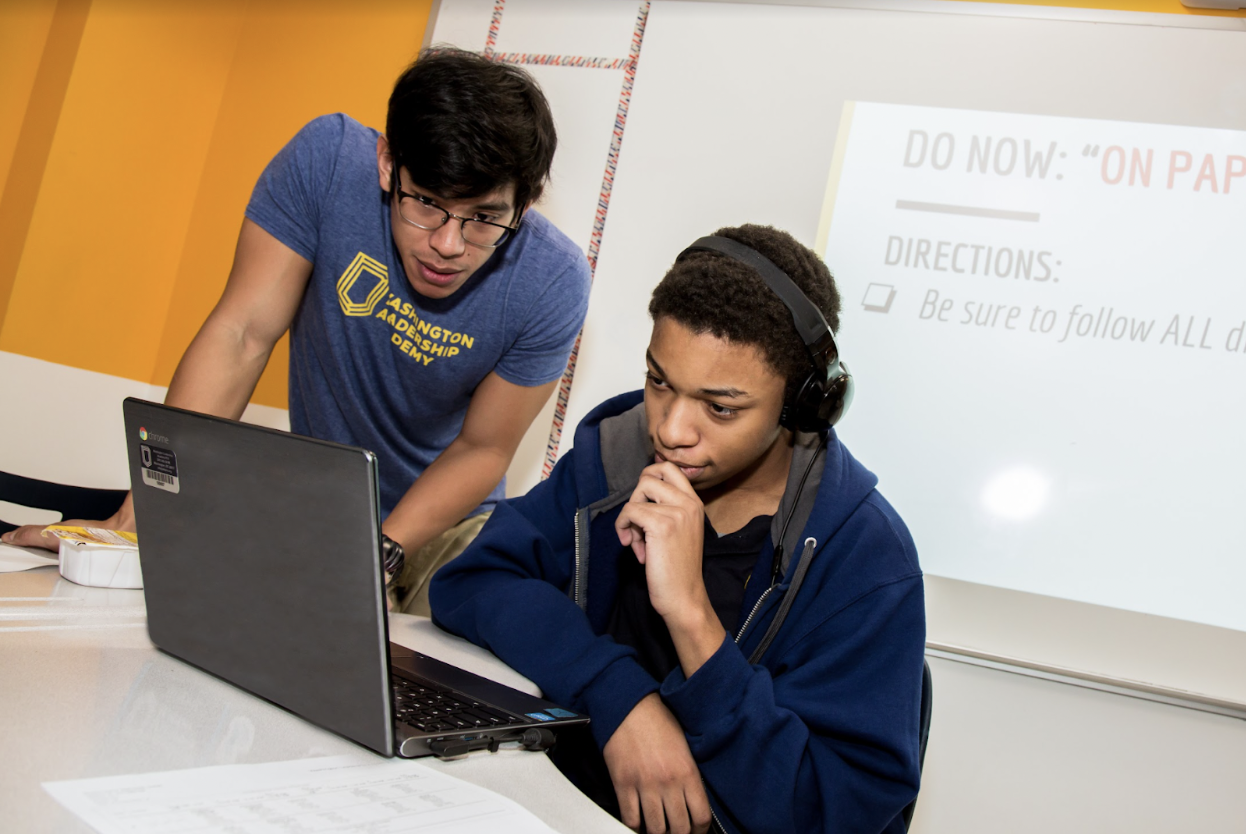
[1164,19]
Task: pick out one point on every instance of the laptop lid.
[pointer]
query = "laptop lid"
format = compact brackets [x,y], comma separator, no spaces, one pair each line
[227,513]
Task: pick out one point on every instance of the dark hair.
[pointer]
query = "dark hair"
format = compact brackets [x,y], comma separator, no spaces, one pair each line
[463,125]
[709,292]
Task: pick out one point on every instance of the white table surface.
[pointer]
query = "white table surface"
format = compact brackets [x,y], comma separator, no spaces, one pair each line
[85,693]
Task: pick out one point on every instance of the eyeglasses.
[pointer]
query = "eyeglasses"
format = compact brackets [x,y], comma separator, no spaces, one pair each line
[423,213]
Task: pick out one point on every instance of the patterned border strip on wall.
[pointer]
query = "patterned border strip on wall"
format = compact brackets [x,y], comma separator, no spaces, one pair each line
[628,65]
[495,23]
[562,60]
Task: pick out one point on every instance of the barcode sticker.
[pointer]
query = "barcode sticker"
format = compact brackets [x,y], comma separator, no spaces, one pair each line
[159,467]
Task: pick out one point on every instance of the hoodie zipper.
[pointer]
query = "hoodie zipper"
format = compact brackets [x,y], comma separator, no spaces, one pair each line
[577,593]
[718,825]
[753,613]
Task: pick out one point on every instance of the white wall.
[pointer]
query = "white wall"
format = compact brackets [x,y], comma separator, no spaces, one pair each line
[1007,752]
[1011,753]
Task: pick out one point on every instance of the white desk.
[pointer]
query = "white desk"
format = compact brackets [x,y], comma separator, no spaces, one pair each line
[84,693]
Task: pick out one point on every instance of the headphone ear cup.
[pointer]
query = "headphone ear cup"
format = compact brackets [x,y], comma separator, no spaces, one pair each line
[837,397]
[802,411]
[819,402]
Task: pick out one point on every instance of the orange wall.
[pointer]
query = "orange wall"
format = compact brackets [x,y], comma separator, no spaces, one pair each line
[114,249]
[23,35]
[37,50]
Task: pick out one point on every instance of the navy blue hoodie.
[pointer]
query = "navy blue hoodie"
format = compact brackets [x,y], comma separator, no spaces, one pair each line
[808,719]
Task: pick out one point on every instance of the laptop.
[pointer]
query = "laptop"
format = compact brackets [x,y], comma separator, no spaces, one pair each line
[261,565]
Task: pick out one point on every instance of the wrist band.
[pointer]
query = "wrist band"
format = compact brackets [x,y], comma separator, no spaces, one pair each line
[392,557]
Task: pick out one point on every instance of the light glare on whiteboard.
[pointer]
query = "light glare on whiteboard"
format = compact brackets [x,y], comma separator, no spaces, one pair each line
[1016,494]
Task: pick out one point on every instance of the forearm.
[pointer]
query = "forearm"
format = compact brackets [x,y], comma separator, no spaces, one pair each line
[697,633]
[755,754]
[540,632]
[217,374]
[123,519]
[454,484]
[508,593]
[33,535]
[219,371]
[469,468]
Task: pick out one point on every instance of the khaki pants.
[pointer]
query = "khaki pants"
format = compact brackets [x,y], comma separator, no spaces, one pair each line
[409,594]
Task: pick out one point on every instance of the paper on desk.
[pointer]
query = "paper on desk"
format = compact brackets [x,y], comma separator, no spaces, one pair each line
[13,558]
[353,793]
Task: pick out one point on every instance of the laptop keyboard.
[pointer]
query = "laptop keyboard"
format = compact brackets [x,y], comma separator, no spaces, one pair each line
[434,709]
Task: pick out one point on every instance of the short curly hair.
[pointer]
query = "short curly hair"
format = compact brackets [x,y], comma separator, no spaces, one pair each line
[709,292]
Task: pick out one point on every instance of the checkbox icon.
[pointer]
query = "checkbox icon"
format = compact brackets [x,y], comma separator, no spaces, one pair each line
[878,298]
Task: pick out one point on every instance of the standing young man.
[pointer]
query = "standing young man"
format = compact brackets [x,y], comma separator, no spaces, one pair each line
[726,596]
[430,311]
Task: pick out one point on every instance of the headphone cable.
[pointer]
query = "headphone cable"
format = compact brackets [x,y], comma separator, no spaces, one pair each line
[777,563]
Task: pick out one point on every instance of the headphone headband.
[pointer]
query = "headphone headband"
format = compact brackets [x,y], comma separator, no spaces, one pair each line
[810,324]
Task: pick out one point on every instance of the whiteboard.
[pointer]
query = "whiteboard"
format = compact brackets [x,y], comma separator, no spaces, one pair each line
[1074,502]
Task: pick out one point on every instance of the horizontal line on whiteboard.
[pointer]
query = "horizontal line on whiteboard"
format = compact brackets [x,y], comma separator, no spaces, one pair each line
[968,211]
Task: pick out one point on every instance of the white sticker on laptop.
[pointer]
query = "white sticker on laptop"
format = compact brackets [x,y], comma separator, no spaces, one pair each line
[159,467]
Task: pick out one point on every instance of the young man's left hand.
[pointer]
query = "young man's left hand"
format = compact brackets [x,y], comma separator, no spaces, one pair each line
[654,775]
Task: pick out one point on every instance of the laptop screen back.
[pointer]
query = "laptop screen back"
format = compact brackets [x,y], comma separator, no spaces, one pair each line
[260,563]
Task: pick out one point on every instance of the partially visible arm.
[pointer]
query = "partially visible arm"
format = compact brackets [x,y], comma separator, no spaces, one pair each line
[219,370]
[471,466]
[223,363]
[654,775]
[499,413]
[510,592]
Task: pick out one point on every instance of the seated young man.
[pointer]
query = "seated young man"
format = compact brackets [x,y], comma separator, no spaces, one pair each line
[731,601]
[430,311]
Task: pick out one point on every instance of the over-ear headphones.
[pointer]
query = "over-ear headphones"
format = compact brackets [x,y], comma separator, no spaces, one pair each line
[825,394]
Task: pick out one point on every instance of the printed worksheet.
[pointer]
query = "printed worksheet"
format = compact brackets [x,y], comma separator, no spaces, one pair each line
[14,558]
[351,793]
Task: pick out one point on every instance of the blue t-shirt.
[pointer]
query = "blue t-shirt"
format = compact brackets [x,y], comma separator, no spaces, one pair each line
[372,362]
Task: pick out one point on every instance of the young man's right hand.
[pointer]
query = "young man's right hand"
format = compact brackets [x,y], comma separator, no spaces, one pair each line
[654,774]
[32,535]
